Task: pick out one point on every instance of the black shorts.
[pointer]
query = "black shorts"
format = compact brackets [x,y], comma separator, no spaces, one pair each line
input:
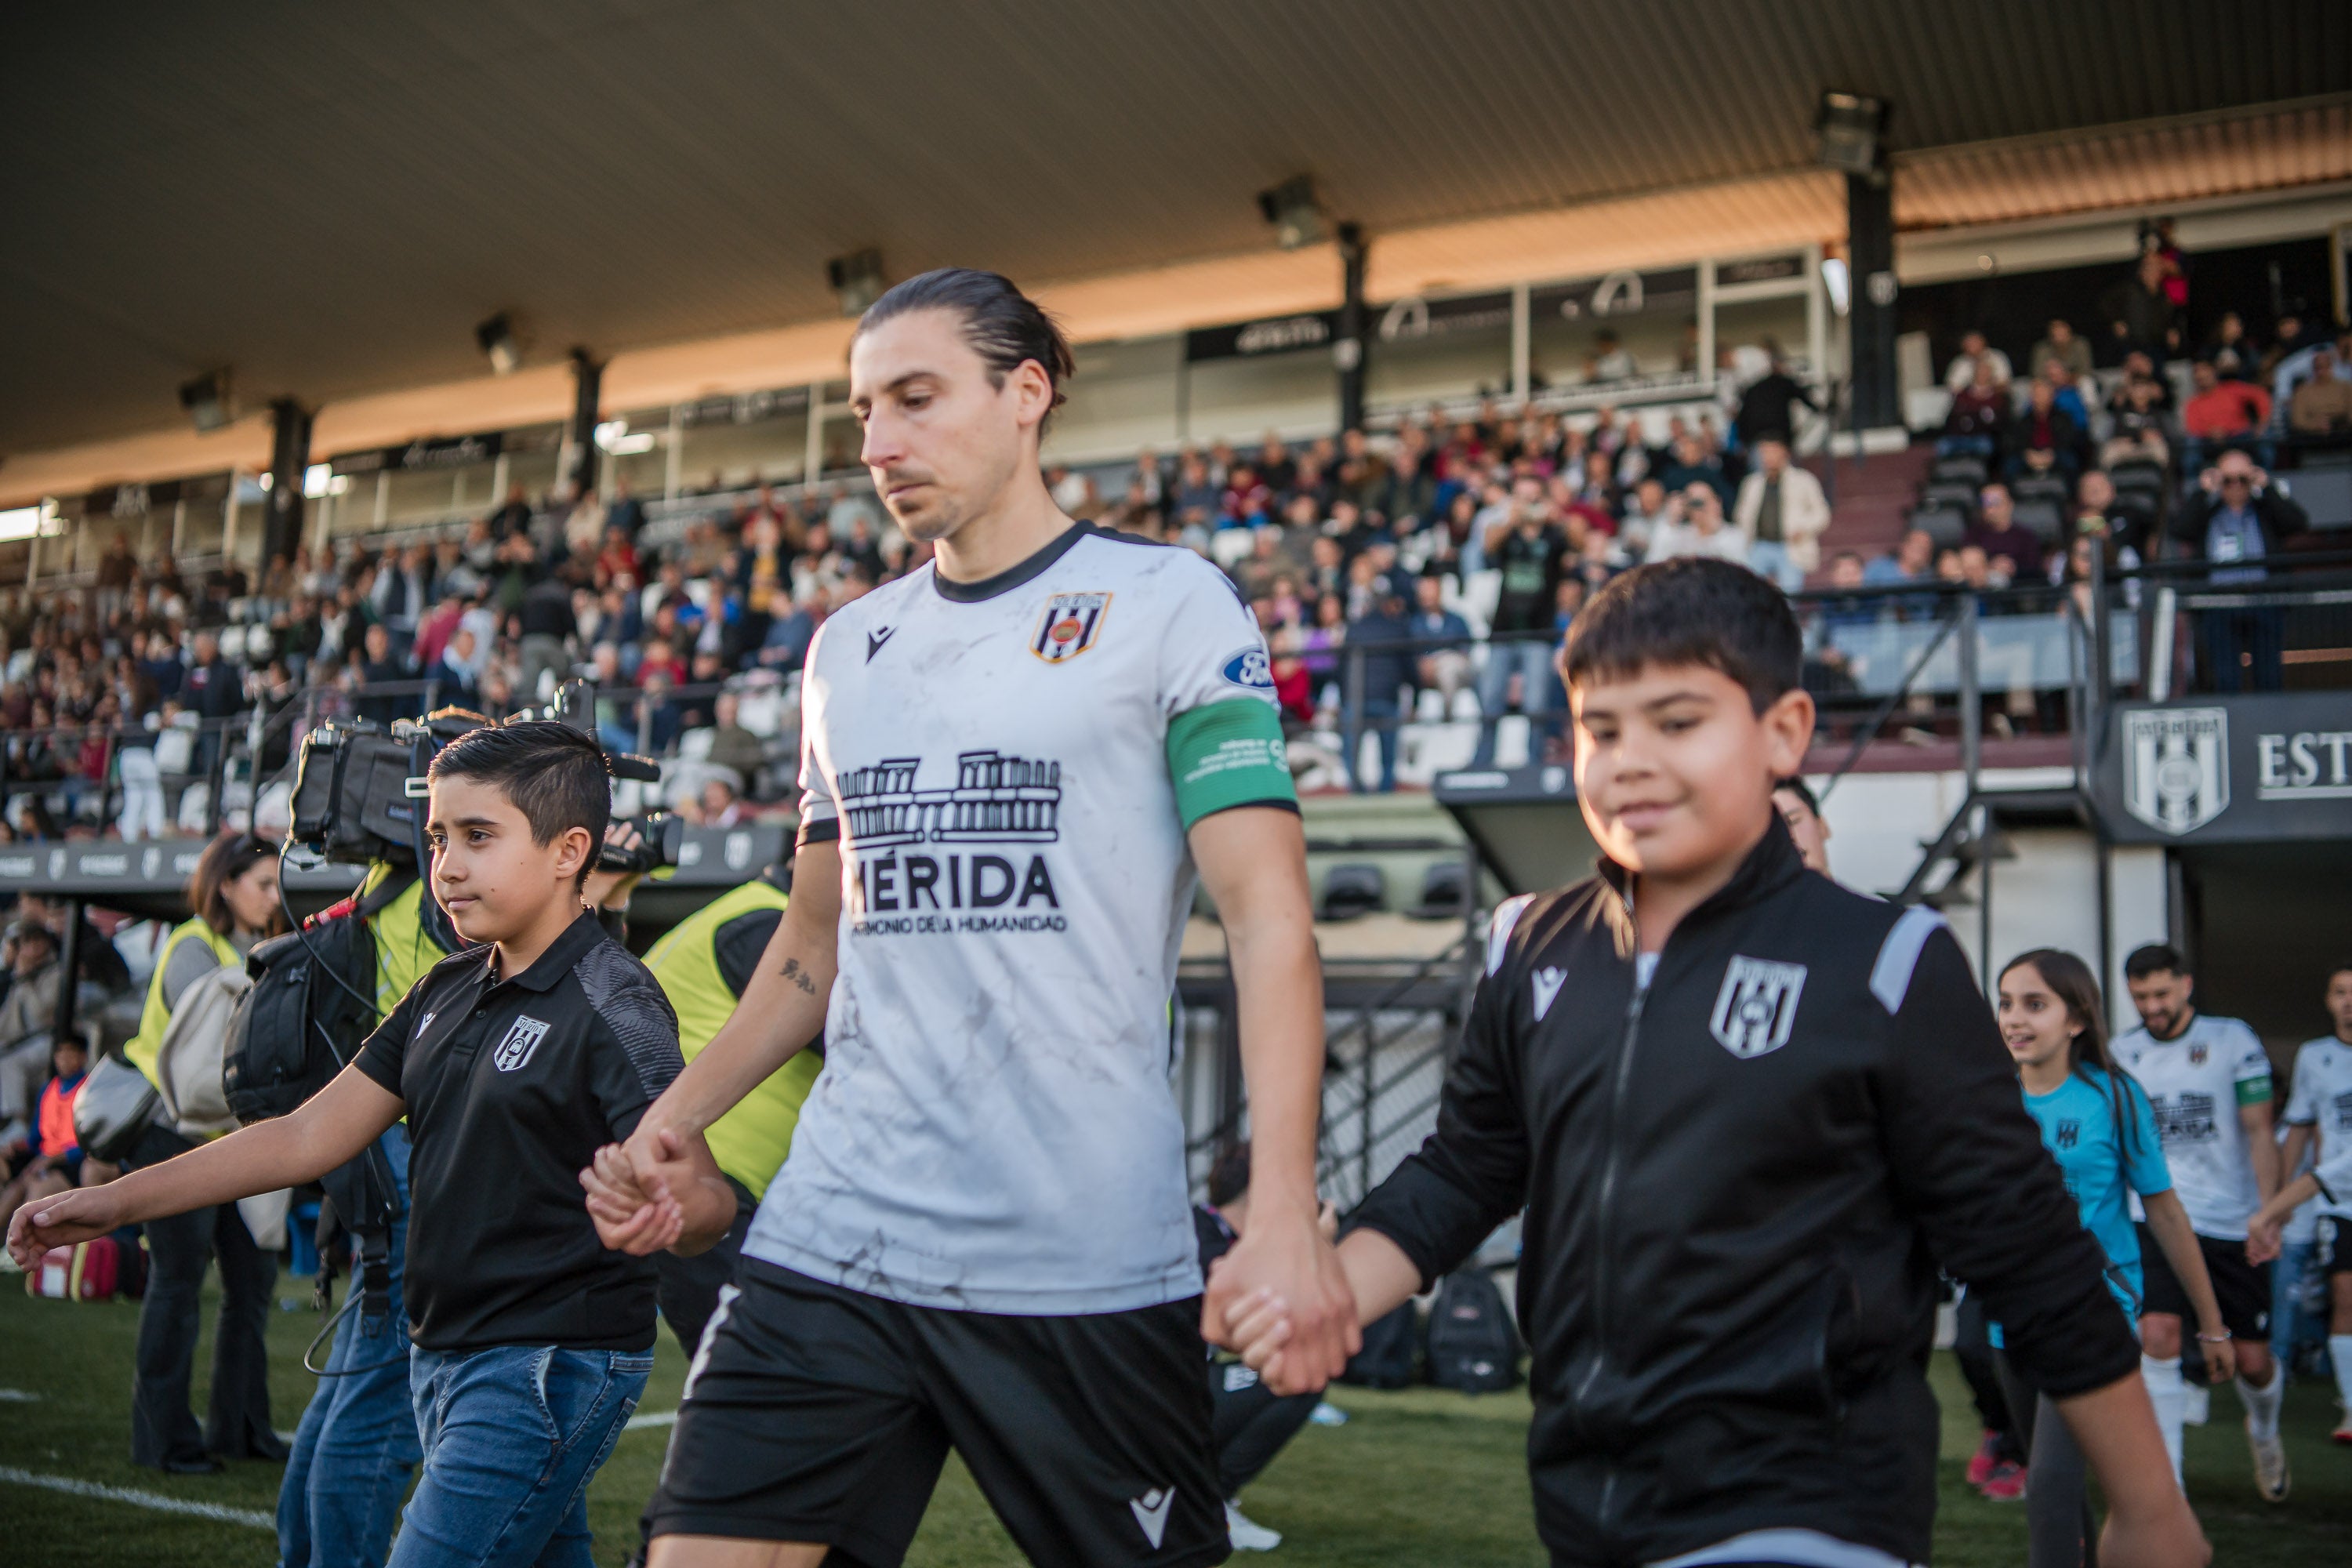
[2243,1289]
[2334,1254]
[819,1415]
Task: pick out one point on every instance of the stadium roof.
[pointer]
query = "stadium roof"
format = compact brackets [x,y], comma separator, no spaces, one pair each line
[329,199]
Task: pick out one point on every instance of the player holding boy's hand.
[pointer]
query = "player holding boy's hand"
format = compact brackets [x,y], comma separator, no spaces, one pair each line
[1743,1109]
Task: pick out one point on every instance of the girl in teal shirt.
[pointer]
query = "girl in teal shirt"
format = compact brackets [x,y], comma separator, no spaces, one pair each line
[2097,1124]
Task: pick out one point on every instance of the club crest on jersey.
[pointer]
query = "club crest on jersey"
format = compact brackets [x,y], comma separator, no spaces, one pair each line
[515,1051]
[1757,1008]
[2197,1055]
[1070,625]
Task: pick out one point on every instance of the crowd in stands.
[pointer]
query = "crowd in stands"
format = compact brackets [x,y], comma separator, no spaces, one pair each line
[1413,546]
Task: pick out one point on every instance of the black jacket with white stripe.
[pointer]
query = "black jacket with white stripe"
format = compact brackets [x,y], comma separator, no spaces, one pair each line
[1738,1183]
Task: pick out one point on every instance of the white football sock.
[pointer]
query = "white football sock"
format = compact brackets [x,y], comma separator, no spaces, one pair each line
[2168,1394]
[2262,1404]
[2339,1350]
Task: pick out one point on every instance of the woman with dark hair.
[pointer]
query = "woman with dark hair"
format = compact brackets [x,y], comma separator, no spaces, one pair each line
[234,896]
[2097,1124]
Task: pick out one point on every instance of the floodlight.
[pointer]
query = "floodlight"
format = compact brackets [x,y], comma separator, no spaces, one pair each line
[496,337]
[857,280]
[208,400]
[1294,211]
[1839,282]
[1850,126]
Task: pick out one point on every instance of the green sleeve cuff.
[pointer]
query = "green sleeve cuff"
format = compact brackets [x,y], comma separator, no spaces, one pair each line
[1227,754]
[2254,1090]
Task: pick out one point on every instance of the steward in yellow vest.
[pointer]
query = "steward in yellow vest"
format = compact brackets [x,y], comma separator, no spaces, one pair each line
[703,963]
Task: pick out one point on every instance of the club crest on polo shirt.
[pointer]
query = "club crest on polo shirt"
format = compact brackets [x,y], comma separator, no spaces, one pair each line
[514,1052]
[1070,624]
[2197,1054]
[1756,1011]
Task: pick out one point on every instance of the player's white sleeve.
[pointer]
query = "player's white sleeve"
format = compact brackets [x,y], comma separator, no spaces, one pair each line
[2302,1104]
[1213,650]
[2251,1066]
[820,813]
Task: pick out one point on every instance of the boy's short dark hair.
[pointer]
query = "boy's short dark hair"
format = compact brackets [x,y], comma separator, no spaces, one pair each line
[1690,610]
[555,775]
[2155,958]
[1229,1177]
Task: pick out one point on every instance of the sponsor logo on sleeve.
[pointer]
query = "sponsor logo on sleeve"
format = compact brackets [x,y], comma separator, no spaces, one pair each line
[1250,670]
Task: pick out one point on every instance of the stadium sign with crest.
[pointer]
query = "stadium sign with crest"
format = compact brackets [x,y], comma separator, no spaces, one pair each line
[2267,768]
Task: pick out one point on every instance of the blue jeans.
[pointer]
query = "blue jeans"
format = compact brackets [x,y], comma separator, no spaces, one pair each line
[1381,719]
[1531,660]
[2290,1320]
[1770,558]
[357,1443]
[511,1437]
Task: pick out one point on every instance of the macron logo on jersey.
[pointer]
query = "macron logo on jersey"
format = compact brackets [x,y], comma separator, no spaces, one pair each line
[874,641]
[1548,982]
[1151,1511]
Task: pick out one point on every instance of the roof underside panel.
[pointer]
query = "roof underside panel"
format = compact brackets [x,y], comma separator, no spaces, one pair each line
[329,198]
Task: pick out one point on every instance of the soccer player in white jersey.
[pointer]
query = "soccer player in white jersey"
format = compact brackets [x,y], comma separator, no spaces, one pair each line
[2208,1082]
[2319,1102]
[1014,760]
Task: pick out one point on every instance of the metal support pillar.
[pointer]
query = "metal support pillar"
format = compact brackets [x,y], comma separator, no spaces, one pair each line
[1870,252]
[61,1021]
[1522,343]
[812,454]
[289,456]
[588,386]
[1348,348]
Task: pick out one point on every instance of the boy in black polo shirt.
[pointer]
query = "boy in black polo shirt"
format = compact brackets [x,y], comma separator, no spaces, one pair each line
[513,1063]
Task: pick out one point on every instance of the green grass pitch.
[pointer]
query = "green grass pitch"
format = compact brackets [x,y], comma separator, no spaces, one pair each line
[1416,1479]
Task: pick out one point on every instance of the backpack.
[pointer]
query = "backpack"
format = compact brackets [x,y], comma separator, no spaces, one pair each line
[85,1271]
[312,1000]
[188,1063]
[1391,1348]
[1472,1345]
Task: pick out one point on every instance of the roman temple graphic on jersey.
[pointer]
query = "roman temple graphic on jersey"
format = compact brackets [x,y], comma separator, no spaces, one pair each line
[901,889]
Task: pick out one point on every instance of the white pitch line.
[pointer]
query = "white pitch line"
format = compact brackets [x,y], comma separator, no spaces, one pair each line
[17,1396]
[156,1500]
[653,1418]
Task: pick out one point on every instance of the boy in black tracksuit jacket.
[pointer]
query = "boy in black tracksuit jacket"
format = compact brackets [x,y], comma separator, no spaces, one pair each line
[1743,1150]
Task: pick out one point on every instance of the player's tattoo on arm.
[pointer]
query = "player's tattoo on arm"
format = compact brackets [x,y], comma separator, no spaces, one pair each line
[799,976]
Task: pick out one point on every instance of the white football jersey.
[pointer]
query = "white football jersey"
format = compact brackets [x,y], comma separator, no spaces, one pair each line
[2322,1099]
[1011,767]
[2195,1085]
